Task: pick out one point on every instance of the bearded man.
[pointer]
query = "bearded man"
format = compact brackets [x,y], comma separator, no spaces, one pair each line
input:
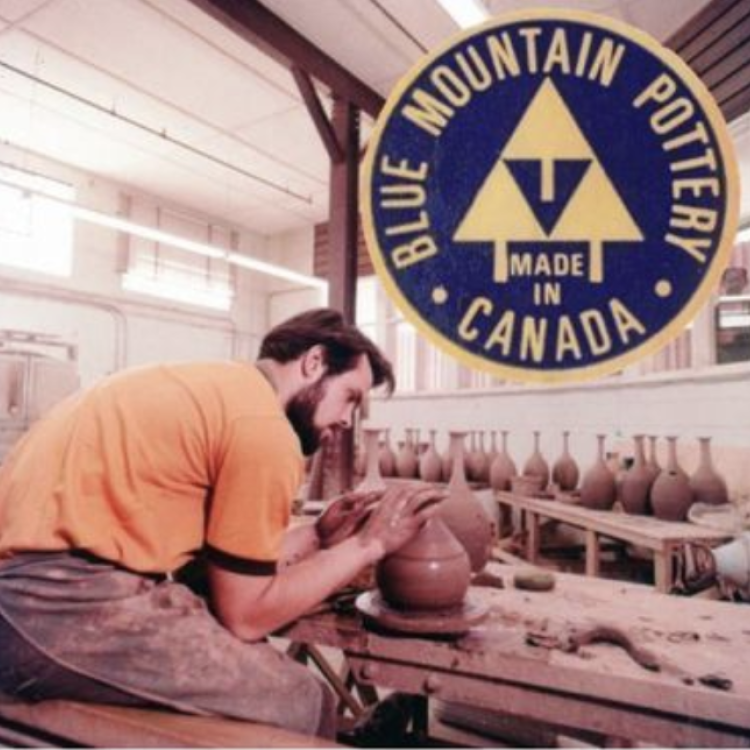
[111,494]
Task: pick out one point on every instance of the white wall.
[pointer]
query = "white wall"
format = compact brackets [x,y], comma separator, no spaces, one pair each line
[293,250]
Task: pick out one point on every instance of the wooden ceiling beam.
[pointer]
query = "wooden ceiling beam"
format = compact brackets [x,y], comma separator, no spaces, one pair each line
[263,29]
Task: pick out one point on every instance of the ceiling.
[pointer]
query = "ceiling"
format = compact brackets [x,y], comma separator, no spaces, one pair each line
[158,97]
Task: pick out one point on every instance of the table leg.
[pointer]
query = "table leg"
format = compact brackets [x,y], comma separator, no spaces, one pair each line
[663,570]
[592,553]
[533,539]
[505,521]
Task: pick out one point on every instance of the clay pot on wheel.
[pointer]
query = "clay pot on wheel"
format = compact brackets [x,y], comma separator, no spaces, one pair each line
[431,572]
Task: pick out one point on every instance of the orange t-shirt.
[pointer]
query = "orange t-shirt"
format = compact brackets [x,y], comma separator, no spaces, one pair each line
[153,464]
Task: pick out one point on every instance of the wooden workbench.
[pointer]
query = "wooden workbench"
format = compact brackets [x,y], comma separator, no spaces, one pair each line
[664,538]
[599,689]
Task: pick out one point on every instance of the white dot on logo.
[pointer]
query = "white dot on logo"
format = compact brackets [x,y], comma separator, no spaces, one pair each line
[663,288]
[439,295]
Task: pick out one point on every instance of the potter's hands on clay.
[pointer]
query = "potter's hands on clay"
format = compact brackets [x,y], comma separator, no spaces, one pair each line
[399,516]
[344,516]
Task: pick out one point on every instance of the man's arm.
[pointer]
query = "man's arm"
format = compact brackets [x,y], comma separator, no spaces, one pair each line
[251,607]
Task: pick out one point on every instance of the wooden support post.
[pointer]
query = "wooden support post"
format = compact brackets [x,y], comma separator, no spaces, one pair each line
[592,553]
[663,570]
[533,540]
[342,243]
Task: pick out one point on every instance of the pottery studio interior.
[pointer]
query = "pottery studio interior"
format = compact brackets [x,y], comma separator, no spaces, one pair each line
[482,267]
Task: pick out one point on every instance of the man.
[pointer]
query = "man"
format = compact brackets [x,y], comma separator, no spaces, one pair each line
[119,487]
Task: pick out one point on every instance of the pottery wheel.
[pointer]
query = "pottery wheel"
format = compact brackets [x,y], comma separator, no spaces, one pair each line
[435,622]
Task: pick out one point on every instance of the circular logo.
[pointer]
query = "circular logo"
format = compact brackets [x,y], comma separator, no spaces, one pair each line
[550,196]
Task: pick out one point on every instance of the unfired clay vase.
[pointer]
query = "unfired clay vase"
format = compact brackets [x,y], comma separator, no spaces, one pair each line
[372,480]
[431,572]
[565,470]
[463,513]
[493,451]
[471,458]
[481,462]
[406,458]
[636,484]
[430,465]
[598,488]
[671,495]
[387,457]
[536,465]
[447,463]
[503,468]
[707,484]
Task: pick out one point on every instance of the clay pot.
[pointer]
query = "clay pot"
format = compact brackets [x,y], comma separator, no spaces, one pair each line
[387,457]
[463,513]
[430,465]
[406,459]
[503,468]
[431,572]
[481,464]
[493,452]
[536,465]
[372,481]
[707,484]
[636,484]
[446,461]
[598,489]
[671,495]
[565,470]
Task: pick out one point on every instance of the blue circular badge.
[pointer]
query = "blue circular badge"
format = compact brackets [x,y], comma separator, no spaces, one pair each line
[550,196]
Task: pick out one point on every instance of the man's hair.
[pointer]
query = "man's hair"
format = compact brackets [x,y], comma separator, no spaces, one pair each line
[343,344]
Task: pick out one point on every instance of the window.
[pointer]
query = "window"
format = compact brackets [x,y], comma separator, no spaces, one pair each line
[156,269]
[36,233]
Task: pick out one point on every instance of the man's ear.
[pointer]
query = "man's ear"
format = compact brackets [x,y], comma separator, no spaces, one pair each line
[313,363]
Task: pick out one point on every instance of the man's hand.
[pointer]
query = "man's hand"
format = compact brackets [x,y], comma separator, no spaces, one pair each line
[400,514]
[344,516]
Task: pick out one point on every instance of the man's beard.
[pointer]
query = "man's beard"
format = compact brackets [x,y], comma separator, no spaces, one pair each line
[300,411]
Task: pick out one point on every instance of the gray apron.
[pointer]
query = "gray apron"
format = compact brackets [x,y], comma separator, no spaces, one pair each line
[151,639]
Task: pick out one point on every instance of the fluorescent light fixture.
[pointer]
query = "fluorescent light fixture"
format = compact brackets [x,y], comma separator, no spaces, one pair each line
[465,13]
[245,261]
[215,299]
[147,233]
[157,235]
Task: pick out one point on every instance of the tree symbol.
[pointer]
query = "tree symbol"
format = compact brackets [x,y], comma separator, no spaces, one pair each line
[547,185]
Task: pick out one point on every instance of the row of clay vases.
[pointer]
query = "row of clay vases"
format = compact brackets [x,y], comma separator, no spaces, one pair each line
[669,493]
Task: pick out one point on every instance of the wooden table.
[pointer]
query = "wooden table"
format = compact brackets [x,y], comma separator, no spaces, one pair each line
[599,689]
[664,538]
